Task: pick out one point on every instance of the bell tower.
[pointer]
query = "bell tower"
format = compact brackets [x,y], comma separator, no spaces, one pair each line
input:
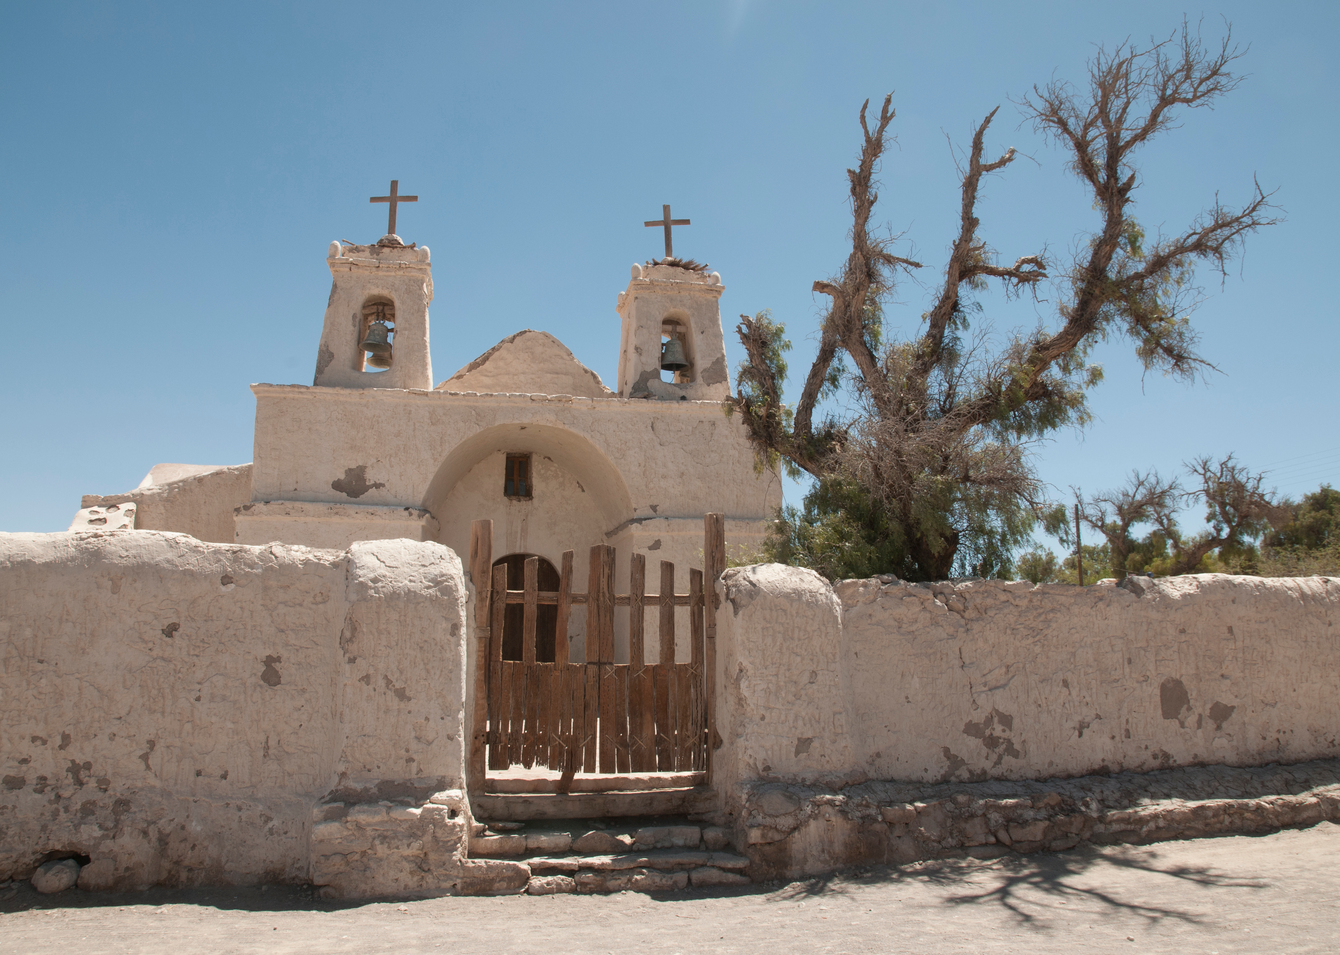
[376,328]
[671,345]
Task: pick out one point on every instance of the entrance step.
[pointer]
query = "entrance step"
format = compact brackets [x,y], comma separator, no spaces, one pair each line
[653,854]
[527,806]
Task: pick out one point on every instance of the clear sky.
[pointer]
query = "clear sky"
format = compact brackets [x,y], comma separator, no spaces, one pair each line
[171,175]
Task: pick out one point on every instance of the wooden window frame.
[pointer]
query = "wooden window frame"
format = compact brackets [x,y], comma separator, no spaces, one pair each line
[510,478]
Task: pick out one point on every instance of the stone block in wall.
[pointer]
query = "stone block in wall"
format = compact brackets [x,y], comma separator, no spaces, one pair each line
[382,849]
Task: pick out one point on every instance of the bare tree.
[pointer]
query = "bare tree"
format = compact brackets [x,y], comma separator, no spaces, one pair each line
[1145,499]
[941,426]
[1238,509]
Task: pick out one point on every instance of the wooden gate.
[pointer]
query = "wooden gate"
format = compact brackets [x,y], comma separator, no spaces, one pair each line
[597,716]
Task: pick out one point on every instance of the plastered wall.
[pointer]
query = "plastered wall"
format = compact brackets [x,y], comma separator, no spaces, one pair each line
[199,504]
[988,679]
[174,709]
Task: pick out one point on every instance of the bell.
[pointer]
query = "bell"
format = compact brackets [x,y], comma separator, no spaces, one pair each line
[672,356]
[378,340]
[379,361]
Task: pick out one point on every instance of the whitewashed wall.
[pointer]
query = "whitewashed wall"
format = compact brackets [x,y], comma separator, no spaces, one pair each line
[989,679]
[174,709]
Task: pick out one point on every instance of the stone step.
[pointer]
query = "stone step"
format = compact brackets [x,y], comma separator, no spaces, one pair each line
[664,859]
[684,800]
[507,841]
[636,879]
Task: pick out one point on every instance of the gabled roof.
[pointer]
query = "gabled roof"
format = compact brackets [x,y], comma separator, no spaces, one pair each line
[528,363]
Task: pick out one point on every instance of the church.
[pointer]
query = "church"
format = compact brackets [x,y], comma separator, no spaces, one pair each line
[524,435]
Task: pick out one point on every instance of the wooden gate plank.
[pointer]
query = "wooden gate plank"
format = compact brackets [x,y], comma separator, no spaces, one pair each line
[574,714]
[481,577]
[622,748]
[564,610]
[591,708]
[714,561]
[694,728]
[530,608]
[556,748]
[498,714]
[684,723]
[514,677]
[640,722]
[608,725]
[600,606]
[664,730]
[525,673]
[667,601]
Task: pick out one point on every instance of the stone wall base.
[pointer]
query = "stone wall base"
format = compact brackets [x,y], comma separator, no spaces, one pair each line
[387,849]
[792,831]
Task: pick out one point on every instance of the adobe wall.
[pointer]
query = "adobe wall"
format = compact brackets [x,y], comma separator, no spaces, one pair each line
[995,680]
[200,504]
[180,712]
[883,722]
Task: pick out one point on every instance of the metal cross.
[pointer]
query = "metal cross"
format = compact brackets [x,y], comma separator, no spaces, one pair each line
[395,198]
[667,222]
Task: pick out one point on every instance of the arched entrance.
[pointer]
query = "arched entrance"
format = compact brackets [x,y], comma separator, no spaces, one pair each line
[546,615]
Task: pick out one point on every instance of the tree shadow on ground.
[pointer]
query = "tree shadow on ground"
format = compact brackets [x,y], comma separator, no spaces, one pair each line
[1020,884]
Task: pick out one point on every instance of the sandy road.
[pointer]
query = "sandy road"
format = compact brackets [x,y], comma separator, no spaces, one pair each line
[1277,893]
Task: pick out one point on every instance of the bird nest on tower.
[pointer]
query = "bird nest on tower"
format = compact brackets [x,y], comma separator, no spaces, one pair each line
[686,264]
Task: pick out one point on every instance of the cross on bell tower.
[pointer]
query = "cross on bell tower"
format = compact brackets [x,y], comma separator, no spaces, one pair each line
[395,199]
[667,222]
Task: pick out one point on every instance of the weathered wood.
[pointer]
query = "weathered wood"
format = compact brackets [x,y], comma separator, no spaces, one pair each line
[714,558]
[641,721]
[685,725]
[498,713]
[637,618]
[639,713]
[605,805]
[591,679]
[537,711]
[496,747]
[549,598]
[481,578]
[695,727]
[574,708]
[504,743]
[622,749]
[609,726]
[630,782]
[515,678]
[660,675]
[561,650]
[667,603]
[557,746]
[530,593]
[498,614]
[481,569]
[600,606]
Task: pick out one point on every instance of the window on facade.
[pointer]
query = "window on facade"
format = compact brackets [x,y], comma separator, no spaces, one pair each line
[516,480]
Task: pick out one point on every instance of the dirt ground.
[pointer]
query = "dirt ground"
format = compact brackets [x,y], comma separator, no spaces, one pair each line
[1276,893]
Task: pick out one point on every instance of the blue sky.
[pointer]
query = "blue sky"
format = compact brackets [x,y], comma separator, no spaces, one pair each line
[171,175]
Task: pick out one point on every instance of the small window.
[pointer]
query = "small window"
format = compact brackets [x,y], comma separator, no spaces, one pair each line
[516,482]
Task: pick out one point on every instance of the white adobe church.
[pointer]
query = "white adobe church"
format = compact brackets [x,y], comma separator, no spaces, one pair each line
[525,434]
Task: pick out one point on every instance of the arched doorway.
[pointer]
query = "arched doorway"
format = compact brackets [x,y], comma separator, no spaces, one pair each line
[546,615]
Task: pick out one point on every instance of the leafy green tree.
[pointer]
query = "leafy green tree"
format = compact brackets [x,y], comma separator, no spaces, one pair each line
[1038,565]
[1313,524]
[941,421]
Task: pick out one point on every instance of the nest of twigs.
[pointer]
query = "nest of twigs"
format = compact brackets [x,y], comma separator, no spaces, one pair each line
[687,265]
